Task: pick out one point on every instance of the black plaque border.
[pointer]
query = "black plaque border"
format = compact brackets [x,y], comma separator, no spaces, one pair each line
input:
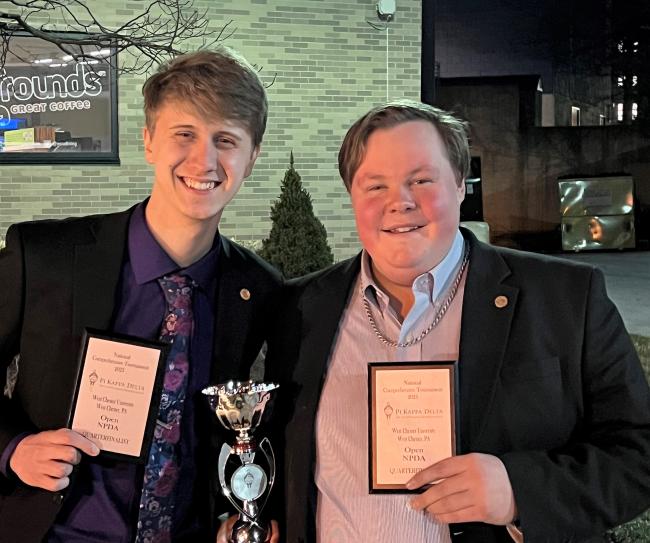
[451,366]
[154,406]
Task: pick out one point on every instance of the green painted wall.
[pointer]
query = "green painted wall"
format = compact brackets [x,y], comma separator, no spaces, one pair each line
[330,66]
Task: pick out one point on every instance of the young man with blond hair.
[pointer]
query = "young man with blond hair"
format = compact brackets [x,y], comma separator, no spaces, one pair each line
[205,117]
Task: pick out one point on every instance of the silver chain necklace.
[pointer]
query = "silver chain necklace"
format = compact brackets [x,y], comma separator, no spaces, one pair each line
[441,312]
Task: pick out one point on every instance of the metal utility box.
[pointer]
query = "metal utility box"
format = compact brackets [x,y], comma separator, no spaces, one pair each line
[597,213]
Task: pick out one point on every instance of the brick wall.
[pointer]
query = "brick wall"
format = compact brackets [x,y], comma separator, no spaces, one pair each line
[330,66]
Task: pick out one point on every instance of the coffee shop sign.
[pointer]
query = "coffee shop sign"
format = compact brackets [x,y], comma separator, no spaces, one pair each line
[80,84]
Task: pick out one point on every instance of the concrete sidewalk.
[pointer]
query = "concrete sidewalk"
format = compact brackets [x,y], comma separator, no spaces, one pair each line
[627,274]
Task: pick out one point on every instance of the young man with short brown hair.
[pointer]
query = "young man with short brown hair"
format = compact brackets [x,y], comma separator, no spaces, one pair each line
[553,435]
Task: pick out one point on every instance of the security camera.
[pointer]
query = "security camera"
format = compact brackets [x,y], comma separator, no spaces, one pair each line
[386,10]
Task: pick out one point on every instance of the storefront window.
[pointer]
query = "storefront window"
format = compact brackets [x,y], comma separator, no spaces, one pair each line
[54,109]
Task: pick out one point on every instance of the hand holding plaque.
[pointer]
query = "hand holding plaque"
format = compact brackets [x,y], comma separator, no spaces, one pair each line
[240,407]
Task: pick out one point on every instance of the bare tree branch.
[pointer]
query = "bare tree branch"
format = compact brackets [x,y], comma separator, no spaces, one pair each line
[150,37]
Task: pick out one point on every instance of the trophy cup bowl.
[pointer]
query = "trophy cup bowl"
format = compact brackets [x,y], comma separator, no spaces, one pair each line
[239,406]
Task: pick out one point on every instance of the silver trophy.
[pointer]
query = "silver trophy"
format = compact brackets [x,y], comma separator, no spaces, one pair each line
[239,407]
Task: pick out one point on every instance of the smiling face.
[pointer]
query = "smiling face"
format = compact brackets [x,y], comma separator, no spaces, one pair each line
[406,201]
[199,166]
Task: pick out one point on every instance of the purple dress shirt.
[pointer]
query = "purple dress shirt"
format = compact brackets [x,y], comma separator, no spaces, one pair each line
[102,504]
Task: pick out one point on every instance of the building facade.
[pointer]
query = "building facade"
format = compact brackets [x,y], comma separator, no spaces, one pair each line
[522,161]
[325,65]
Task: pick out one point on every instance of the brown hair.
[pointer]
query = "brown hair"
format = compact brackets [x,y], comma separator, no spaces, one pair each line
[219,84]
[453,132]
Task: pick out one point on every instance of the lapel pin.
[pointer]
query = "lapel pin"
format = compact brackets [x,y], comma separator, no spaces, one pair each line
[245,294]
[501,301]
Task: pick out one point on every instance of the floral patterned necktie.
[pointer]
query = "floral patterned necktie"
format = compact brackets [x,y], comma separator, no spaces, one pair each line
[161,471]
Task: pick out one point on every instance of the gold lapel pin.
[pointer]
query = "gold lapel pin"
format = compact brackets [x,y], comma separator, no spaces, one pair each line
[501,301]
[245,294]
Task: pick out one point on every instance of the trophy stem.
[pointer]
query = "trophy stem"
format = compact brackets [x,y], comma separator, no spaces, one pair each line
[244,444]
[251,509]
[247,457]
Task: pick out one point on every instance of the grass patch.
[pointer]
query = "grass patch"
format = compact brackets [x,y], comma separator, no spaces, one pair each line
[642,345]
[638,530]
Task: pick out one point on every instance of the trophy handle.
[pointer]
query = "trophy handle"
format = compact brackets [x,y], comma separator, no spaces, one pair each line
[224,454]
[265,447]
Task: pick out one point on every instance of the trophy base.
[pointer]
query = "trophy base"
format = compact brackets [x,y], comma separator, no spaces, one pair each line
[244,531]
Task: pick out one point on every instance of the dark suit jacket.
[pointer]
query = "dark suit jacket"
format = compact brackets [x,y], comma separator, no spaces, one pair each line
[57,277]
[551,384]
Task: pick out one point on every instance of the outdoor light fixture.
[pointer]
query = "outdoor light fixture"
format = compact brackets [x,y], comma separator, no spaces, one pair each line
[386,10]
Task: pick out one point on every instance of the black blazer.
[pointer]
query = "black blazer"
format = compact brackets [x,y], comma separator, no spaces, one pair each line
[551,384]
[57,277]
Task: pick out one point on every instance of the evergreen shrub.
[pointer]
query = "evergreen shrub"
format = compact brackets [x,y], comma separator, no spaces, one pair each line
[297,243]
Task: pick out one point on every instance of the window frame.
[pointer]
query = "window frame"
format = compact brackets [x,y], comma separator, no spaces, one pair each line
[76,157]
[575,116]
